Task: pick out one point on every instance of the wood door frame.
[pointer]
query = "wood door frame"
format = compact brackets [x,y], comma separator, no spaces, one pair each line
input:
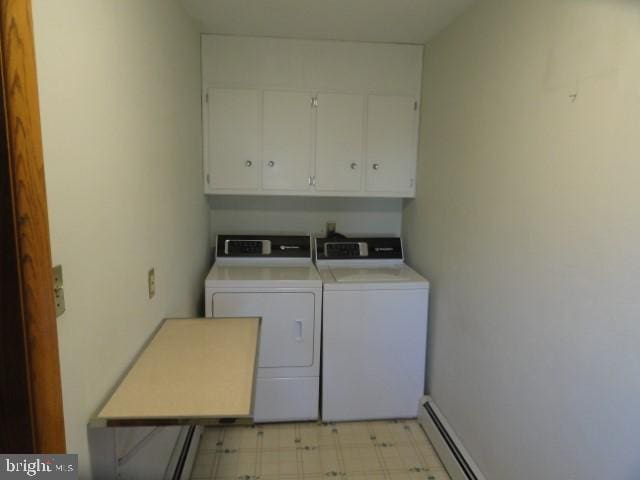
[31,414]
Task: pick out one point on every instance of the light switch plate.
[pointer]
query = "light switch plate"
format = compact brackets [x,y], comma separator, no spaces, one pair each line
[152,283]
[58,290]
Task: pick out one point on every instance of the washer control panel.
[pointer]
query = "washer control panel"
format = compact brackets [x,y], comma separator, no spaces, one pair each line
[376,248]
[346,249]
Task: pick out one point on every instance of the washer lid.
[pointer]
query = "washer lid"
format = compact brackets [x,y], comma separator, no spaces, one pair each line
[367,278]
[244,276]
[380,274]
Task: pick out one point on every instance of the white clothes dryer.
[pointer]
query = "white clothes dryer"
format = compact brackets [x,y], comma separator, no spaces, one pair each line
[273,277]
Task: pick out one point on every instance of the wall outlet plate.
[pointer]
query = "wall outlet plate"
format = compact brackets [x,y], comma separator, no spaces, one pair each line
[152,282]
[58,290]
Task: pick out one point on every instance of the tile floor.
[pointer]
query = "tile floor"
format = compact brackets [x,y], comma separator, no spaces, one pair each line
[380,450]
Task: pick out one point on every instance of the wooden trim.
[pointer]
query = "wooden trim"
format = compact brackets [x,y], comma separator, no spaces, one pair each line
[31,227]
[16,432]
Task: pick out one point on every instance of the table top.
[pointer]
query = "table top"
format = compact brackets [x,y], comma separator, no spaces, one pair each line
[192,371]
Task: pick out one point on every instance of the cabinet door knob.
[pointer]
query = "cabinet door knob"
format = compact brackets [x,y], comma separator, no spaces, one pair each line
[248,163]
[271,163]
[354,166]
[376,166]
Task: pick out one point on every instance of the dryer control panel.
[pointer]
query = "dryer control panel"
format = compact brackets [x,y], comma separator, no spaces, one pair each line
[263,246]
[251,247]
[377,248]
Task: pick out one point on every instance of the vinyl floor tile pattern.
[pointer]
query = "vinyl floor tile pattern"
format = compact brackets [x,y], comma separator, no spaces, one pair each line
[380,450]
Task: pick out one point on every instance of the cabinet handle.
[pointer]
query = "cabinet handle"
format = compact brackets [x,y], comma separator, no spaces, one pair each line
[354,166]
[271,163]
[376,166]
[248,163]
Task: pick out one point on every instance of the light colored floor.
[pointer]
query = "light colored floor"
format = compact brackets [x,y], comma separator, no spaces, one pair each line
[381,450]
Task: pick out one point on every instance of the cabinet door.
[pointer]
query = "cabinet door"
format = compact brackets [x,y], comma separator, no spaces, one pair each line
[286,141]
[339,142]
[287,328]
[232,139]
[391,144]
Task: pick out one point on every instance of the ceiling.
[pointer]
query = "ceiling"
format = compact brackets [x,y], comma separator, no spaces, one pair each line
[402,21]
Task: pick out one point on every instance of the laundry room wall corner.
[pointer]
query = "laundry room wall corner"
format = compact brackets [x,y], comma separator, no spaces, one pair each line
[119,87]
[246,214]
[526,223]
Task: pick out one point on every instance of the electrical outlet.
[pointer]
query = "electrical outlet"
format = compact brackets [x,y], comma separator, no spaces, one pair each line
[331,228]
[152,282]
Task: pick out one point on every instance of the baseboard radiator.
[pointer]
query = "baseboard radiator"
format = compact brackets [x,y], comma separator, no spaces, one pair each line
[188,452]
[457,461]
[143,453]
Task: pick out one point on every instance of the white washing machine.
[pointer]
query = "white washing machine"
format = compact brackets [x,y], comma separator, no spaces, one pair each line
[274,277]
[374,330]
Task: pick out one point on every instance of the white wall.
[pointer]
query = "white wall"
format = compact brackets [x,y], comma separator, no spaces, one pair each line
[527,221]
[368,216]
[295,64]
[120,105]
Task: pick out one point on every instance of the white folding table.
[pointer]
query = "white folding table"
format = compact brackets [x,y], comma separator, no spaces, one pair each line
[193,372]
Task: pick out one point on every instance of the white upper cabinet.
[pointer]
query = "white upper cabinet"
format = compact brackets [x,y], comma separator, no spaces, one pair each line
[286,141]
[392,131]
[310,117]
[339,142]
[231,140]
